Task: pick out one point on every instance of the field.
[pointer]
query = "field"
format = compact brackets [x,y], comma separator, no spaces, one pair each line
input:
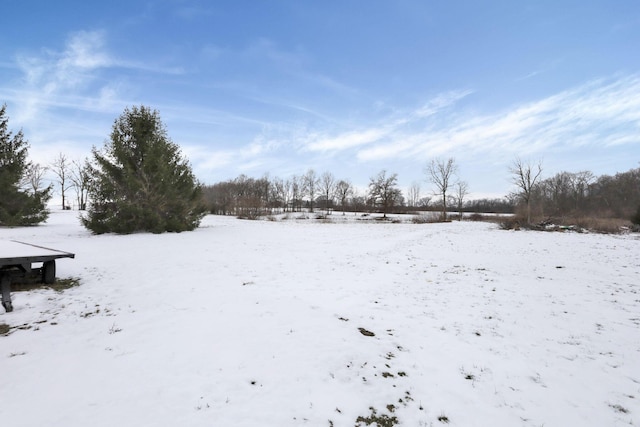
[305,323]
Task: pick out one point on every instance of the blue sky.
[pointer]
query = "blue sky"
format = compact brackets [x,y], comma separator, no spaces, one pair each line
[349,87]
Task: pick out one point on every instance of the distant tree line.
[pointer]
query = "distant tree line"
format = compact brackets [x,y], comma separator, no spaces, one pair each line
[564,196]
[568,195]
[248,197]
[139,181]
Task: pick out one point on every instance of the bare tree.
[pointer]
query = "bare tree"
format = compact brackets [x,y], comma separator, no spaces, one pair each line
[344,189]
[424,202]
[383,191]
[80,176]
[580,182]
[278,193]
[358,202]
[461,190]
[413,195]
[61,168]
[525,176]
[34,177]
[327,185]
[310,184]
[264,191]
[440,173]
[296,192]
[288,193]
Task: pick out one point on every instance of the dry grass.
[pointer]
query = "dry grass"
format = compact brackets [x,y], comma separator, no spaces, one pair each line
[579,224]
[59,285]
[603,225]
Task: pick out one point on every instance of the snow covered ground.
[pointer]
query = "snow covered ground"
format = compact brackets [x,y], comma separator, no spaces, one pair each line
[302,323]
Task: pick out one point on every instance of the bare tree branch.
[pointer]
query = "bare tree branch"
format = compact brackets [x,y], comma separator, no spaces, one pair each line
[525,176]
[440,172]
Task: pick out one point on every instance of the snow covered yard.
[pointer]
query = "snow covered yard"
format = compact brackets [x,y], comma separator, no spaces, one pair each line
[292,323]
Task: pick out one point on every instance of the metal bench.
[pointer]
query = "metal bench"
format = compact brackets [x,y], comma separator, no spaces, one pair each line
[16,264]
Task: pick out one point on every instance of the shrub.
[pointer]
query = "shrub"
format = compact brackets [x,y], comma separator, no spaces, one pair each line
[602,225]
[510,223]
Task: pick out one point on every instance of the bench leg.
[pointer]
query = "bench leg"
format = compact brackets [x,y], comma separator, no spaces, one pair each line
[5,288]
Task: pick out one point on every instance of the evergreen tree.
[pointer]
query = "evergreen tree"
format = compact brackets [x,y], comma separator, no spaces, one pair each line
[18,205]
[140,180]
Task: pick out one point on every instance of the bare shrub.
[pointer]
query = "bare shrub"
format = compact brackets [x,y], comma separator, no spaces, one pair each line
[424,219]
[603,225]
[511,223]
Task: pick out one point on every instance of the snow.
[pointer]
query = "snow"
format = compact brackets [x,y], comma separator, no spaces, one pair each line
[256,323]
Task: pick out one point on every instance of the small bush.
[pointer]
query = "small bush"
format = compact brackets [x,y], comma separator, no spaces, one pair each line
[511,223]
[426,218]
[420,219]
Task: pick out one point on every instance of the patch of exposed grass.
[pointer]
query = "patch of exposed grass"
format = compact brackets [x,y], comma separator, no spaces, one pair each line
[59,285]
[443,419]
[4,329]
[620,408]
[382,420]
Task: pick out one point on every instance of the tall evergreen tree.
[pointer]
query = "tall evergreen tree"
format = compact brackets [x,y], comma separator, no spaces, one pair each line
[141,181]
[18,205]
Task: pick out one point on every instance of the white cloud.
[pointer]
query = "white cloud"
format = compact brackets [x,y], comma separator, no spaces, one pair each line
[205,159]
[599,113]
[346,140]
[397,126]
[441,101]
[61,78]
[56,71]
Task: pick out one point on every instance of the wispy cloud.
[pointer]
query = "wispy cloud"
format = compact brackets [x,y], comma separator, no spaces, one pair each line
[62,78]
[394,126]
[74,77]
[600,113]
[55,71]
[347,140]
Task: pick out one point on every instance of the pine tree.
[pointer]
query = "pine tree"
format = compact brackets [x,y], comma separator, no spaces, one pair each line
[140,180]
[18,205]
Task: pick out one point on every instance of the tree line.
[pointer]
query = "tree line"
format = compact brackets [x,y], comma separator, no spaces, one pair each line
[251,198]
[569,195]
[140,181]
